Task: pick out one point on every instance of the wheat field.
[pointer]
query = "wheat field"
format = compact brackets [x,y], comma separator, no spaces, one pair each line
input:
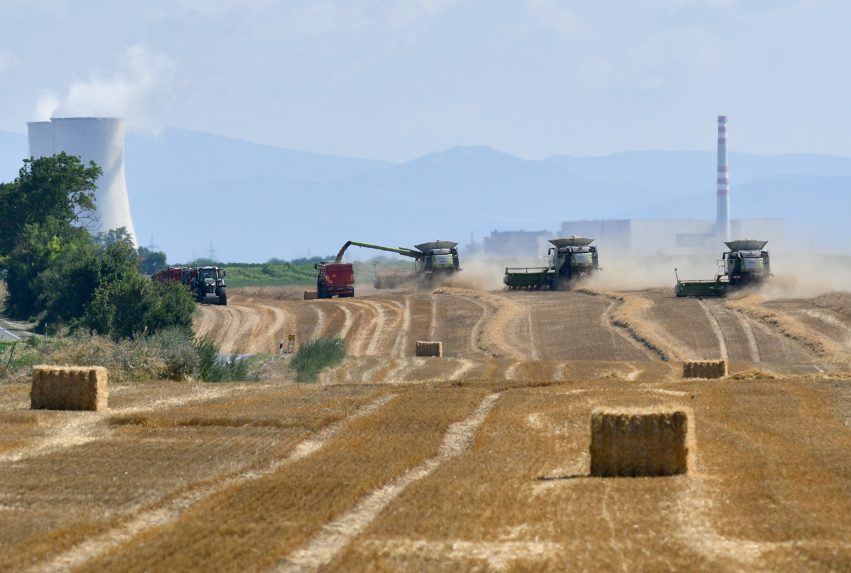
[478,460]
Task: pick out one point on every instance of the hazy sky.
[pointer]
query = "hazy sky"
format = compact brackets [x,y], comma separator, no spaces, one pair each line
[393,79]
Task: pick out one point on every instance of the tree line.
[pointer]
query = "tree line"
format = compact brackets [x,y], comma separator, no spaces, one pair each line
[65,278]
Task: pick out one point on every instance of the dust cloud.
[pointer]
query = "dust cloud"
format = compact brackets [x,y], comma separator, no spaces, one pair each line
[795,275]
[638,273]
[480,273]
[805,275]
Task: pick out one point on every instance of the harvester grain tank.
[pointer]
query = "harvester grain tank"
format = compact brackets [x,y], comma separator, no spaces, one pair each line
[745,264]
[202,281]
[433,261]
[570,259]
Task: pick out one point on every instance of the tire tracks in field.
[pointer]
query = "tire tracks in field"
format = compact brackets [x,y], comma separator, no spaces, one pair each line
[488,334]
[169,511]
[401,345]
[321,549]
[716,328]
[363,328]
[321,320]
[747,327]
[628,313]
[815,342]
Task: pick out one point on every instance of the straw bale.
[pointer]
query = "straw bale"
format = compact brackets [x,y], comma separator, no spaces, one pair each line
[428,348]
[69,388]
[310,295]
[641,442]
[705,369]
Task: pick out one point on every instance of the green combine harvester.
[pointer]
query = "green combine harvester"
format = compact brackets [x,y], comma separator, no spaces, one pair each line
[570,260]
[745,264]
[433,262]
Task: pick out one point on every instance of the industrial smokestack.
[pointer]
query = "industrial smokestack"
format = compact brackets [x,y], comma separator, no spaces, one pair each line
[722,223]
[98,139]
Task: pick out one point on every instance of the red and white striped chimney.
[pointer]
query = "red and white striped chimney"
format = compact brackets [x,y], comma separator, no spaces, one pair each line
[722,221]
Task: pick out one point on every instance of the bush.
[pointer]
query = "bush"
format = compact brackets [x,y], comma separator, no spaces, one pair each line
[214,367]
[179,353]
[317,355]
[132,305]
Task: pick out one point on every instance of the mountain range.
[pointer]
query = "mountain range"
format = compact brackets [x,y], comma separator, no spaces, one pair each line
[194,194]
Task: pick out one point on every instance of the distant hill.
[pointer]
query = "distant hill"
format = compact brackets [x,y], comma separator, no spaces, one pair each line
[254,202]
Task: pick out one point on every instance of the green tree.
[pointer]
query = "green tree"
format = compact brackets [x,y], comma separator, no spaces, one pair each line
[57,190]
[42,211]
[151,261]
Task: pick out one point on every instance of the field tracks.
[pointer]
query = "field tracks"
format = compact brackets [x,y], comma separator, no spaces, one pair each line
[488,334]
[171,510]
[400,347]
[336,535]
[626,315]
[814,341]
[716,328]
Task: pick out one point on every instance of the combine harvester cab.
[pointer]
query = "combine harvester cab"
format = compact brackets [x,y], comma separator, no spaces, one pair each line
[745,264]
[570,260]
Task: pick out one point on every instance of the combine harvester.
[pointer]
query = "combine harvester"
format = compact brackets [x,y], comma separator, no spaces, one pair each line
[745,264]
[202,281]
[570,260]
[433,262]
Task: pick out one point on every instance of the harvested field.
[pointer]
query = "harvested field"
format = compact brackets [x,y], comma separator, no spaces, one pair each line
[476,460]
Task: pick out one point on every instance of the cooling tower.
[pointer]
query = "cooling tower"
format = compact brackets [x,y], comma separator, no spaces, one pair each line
[722,221]
[41,138]
[98,139]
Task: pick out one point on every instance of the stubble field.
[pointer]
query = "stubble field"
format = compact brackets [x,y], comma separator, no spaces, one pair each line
[474,461]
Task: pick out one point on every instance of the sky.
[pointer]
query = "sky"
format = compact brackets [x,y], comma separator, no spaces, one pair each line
[394,79]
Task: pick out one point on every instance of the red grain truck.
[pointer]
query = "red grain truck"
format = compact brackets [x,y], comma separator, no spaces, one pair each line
[335,279]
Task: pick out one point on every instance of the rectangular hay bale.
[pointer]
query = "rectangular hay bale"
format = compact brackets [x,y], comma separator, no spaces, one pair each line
[641,442]
[69,388]
[310,295]
[705,369]
[429,348]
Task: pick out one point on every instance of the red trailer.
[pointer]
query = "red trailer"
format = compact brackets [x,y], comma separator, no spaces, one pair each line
[335,279]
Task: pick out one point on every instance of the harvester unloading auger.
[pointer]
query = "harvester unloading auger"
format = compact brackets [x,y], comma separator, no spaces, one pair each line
[745,264]
[570,260]
[433,261]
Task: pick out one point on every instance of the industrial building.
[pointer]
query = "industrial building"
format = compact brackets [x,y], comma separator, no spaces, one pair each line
[671,236]
[657,236]
[98,139]
[520,243]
